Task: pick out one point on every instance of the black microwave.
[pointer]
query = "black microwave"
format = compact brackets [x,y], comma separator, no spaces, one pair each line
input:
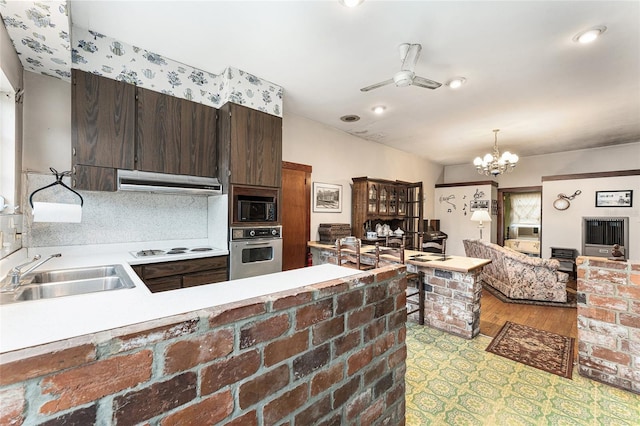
[252,210]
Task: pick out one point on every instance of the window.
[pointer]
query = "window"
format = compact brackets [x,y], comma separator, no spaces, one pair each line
[525,208]
[7,145]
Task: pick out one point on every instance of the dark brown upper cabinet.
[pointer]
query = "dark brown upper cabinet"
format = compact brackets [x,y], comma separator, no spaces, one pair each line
[198,149]
[175,135]
[158,132]
[250,147]
[102,129]
[116,125]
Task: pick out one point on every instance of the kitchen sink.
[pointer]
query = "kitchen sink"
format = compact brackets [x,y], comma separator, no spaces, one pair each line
[69,282]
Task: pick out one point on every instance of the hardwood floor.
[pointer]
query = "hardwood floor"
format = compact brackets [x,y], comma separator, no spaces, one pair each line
[494,313]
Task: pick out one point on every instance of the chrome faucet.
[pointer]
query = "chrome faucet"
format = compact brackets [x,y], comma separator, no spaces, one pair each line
[15,275]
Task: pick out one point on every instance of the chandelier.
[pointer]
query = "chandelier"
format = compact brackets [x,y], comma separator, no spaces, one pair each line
[495,164]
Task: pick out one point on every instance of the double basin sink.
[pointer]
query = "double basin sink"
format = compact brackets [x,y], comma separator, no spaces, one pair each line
[69,282]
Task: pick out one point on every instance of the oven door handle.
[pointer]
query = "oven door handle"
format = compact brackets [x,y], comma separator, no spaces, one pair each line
[262,243]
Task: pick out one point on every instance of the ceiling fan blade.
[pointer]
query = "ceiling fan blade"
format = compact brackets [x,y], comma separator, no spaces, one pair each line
[410,59]
[425,82]
[375,86]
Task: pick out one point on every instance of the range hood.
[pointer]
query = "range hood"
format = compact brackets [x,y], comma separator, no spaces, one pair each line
[135,180]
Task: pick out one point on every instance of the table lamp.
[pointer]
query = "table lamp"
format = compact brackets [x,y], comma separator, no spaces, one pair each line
[481,216]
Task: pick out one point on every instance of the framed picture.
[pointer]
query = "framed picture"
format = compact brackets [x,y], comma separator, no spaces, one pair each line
[478,205]
[614,198]
[327,198]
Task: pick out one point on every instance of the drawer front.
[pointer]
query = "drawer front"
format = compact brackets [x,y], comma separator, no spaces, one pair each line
[163,284]
[181,267]
[207,277]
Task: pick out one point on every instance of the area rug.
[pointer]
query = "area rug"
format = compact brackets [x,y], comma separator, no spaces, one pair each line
[541,349]
[570,303]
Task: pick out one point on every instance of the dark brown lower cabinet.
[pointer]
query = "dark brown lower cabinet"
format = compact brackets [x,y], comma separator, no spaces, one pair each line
[177,274]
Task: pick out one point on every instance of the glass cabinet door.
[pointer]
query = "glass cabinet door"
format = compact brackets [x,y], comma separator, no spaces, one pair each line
[384,199]
[372,198]
[393,200]
[402,201]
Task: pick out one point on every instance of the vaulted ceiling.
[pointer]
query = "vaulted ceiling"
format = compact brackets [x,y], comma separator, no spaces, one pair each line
[524,73]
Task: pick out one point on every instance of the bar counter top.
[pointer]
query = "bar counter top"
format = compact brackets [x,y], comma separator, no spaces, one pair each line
[418,258]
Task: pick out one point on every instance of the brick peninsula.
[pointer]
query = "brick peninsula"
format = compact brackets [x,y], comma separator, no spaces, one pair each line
[452,285]
[317,345]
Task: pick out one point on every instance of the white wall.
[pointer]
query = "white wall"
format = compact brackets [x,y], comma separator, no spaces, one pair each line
[563,228]
[47,118]
[336,157]
[530,169]
[456,221]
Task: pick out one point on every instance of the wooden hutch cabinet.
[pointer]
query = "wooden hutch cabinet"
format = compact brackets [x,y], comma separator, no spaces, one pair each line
[396,203]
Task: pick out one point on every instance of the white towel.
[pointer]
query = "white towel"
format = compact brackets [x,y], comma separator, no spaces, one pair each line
[56,212]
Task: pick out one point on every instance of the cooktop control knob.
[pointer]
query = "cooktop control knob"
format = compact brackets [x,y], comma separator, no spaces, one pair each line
[274,232]
[252,233]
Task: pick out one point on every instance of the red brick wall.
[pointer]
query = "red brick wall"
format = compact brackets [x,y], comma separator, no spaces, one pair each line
[329,354]
[609,321]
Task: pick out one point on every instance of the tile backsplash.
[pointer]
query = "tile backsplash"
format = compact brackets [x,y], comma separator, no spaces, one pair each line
[114,217]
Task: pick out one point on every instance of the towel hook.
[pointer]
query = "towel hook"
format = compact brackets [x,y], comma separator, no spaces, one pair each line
[58,181]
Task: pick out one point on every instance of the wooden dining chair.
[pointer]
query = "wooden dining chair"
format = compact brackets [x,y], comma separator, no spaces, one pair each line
[349,253]
[394,241]
[415,281]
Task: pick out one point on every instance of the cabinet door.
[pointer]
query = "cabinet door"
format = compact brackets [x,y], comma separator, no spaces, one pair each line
[198,140]
[93,178]
[372,198]
[102,121]
[256,147]
[383,202]
[402,200]
[392,193]
[158,132]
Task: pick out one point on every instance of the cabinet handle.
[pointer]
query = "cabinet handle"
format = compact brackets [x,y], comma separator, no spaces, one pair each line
[73,151]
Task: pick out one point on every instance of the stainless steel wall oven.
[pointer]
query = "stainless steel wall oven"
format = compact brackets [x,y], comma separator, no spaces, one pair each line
[254,251]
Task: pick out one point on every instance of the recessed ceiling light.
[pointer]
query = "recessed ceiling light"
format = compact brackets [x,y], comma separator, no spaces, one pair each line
[349,118]
[350,3]
[379,109]
[589,35]
[456,82]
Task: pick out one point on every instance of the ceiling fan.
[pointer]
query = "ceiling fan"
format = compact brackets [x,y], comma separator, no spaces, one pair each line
[409,54]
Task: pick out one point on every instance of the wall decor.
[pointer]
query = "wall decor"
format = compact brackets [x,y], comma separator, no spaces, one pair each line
[448,200]
[614,198]
[562,203]
[479,205]
[327,198]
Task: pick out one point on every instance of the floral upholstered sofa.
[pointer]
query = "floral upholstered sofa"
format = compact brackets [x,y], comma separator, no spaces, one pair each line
[517,275]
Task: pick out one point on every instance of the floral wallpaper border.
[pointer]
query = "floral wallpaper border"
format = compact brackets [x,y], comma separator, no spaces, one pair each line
[40,34]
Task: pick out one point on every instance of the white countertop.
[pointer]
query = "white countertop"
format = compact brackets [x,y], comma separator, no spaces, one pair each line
[32,323]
